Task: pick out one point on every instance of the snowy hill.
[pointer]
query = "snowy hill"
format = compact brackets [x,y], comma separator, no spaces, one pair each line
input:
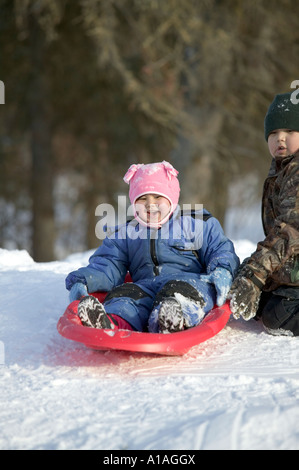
[238,390]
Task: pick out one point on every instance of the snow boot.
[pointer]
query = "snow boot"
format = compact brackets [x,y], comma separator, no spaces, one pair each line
[193,310]
[176,314]
[92,313]
[170,316]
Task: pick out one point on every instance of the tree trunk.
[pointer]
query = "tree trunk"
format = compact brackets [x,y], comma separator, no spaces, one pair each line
[203,174]
[42,159]
[101,186]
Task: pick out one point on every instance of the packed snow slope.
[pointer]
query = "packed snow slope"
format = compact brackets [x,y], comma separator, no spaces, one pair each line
[238,390]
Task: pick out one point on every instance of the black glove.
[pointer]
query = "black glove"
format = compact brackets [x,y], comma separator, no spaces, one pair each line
[245,297]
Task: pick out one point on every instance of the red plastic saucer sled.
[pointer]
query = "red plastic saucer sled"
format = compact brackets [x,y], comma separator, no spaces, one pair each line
[173,344]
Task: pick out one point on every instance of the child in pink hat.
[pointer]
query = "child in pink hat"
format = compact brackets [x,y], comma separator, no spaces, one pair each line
[154,192]
[181,264]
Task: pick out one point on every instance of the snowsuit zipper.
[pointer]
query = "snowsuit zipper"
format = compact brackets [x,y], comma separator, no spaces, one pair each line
[154,256]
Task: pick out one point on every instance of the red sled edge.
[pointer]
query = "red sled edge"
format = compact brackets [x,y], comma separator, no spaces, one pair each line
[174,344]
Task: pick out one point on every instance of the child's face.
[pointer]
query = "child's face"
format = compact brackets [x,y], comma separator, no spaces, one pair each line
[152,208]
[283,142]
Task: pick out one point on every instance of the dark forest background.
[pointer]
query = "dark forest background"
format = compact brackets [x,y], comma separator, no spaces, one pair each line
[92,86]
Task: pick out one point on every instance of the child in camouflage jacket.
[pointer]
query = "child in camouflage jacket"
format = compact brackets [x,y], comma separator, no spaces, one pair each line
[267,285]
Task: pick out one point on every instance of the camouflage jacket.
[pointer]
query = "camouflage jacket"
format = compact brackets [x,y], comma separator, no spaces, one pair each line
[276,259]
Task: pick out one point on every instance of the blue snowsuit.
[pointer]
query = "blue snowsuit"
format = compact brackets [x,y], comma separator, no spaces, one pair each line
[187,246]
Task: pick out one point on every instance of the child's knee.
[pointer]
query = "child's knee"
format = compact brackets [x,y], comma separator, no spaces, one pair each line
[131,303]
[178,287]
[280,315]
[129,290]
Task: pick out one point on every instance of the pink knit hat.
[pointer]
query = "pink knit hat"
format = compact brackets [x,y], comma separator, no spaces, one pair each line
[153,178]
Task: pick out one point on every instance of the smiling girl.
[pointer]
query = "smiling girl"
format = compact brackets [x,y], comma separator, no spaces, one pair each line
[152,209]
[181,264]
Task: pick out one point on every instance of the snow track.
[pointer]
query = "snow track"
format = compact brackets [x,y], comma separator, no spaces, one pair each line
[239,390]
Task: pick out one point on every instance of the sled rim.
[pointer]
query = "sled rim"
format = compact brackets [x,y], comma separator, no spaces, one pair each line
[178,343]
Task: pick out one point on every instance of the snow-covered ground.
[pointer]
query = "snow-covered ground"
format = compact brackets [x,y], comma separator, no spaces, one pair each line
[238,390]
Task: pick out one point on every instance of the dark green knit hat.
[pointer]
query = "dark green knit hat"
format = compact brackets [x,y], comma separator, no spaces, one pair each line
[282,114]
